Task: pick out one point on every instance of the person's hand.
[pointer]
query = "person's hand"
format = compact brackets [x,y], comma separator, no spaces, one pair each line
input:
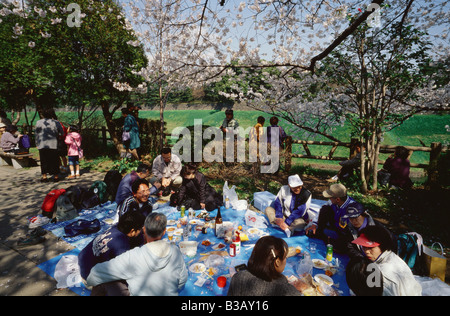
[202,206]
[165,182]
[284,226]
[312,228]
[281,223]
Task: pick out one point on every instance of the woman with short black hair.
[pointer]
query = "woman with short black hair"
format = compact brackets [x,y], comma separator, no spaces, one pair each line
[263,276]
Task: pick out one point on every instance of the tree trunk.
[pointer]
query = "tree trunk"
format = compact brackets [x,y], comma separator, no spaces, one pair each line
[111,127]
[161,117]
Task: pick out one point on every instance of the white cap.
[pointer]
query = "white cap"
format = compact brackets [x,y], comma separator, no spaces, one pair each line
[295,181]
[2,125]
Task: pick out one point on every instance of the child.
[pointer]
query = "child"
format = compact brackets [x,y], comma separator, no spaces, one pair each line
[73,139]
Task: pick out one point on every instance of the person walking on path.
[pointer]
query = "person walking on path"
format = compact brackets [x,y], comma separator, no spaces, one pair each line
[131,126]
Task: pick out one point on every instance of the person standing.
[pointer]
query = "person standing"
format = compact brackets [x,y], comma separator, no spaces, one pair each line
[73,140]
[229,123]
[131,126]
[47,131]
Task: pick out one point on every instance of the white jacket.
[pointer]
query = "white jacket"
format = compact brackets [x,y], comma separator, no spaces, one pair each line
[398,279]
[154,269]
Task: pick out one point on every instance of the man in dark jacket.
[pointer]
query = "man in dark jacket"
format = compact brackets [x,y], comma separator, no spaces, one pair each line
[358,219]
[138,202]
[124,190]
[195,192]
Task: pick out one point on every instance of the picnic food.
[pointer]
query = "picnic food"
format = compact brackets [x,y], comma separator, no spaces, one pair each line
[293,251]
[206,242]
[319,264]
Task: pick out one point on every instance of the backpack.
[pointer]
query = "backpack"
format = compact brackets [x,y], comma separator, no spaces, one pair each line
[82,227]
[89,199]
[75,194]
[99,189]
[48,206]
[65,210]
[408,251]
[112,180]
[24,142]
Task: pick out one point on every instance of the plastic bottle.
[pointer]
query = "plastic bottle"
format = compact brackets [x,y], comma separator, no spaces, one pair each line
[237,242]
[183,209]
[227,202]
[329,252]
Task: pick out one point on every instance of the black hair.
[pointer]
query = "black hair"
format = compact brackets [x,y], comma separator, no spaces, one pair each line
[11,129]
[273,120]
[261,119]
[137,183]
[401,152]
[131,220]
[166,150]
[262,260]
[379,235]
[359,272]
[143,167]
[74,128]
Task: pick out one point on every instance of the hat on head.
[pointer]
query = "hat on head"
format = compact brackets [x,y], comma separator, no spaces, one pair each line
[2,125]
[354,210]
[295,181]
[365,242]
[336,190]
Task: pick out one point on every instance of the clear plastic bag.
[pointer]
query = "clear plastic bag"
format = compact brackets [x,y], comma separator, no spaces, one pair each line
[305,266]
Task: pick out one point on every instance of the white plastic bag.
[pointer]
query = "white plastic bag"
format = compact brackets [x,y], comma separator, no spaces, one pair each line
[67,272]
[252,219]
[433,287]
[239,205]
[230,193]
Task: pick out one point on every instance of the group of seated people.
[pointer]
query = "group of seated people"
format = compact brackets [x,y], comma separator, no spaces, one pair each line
[131,255]
[347,225]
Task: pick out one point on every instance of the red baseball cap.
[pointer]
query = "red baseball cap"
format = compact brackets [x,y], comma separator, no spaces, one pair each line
[365,242]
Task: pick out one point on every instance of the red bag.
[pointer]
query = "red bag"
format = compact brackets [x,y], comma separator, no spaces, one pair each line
[48,206]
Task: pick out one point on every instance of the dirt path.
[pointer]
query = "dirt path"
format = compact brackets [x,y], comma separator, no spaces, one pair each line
[21,196]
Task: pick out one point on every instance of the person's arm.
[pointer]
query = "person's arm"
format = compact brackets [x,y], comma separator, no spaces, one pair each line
[299,212]
[156,168]
[119,268]
[176,168]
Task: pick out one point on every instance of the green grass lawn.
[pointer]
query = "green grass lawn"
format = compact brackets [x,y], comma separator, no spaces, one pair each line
[425,128]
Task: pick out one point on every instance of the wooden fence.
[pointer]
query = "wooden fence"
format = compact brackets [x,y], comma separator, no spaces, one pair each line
[435,151]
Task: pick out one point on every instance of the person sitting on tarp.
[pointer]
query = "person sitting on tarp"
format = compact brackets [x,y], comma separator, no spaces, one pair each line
[289,211]
[195,192]
[115,241]
[166,172]
[329,224]
[138,202]
[154,269]
[358,218]
[124,190]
